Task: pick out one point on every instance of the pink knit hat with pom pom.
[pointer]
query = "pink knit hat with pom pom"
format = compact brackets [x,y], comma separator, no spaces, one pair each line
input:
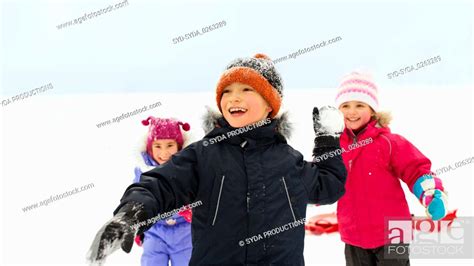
[164,128]
[358,86]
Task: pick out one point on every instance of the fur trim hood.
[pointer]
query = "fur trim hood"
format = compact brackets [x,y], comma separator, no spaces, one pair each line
[383,118]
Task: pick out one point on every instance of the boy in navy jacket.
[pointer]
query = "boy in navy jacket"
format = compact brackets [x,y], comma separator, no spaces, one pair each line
[252,186]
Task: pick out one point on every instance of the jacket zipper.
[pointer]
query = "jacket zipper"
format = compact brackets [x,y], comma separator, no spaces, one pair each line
[355,136]
[218,200]
[355,142]
[288,197]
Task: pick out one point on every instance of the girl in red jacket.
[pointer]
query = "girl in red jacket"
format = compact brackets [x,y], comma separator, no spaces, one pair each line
[376,161]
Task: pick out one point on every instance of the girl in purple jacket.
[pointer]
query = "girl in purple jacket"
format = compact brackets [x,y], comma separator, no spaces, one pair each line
[169,239]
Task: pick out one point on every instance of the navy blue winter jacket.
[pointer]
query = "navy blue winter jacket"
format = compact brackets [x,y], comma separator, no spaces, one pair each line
[254,189]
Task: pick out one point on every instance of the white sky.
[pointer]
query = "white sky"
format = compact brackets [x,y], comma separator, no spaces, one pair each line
[131,49]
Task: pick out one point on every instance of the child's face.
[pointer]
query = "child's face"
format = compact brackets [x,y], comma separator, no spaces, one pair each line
[162,149]
[356,114]
[242,105]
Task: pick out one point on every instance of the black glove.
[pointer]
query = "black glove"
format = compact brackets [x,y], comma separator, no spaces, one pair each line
[328,124]
[118,232]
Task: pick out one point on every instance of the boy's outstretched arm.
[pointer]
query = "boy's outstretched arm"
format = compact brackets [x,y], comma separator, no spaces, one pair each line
[325,177]
[166,188]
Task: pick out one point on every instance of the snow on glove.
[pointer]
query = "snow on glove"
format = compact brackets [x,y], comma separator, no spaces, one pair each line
[328,124]
[117,232]
[429,190]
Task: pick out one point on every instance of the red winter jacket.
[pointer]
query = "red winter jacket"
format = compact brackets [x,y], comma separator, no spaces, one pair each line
[373,190]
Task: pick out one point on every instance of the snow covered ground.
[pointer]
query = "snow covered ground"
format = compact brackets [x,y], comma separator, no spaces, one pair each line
[51,145]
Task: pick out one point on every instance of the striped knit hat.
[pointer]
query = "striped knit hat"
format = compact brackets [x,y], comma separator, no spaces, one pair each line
[260,73]
[358,86]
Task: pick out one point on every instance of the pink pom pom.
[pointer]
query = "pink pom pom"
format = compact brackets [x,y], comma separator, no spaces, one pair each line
[146,122]
[185,126]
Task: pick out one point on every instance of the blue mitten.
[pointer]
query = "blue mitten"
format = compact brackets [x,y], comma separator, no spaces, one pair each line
[429,190]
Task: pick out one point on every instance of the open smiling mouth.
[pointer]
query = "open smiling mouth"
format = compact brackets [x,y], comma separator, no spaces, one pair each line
[352,119]
[237,111]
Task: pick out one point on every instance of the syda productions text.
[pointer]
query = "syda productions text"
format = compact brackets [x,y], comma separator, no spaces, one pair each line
[236,132]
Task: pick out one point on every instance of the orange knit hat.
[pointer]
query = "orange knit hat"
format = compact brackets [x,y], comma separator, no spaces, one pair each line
[258,72]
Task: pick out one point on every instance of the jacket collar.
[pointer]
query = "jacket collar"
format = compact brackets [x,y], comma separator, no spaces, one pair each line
[261,133]
[372,129]
[148,160]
